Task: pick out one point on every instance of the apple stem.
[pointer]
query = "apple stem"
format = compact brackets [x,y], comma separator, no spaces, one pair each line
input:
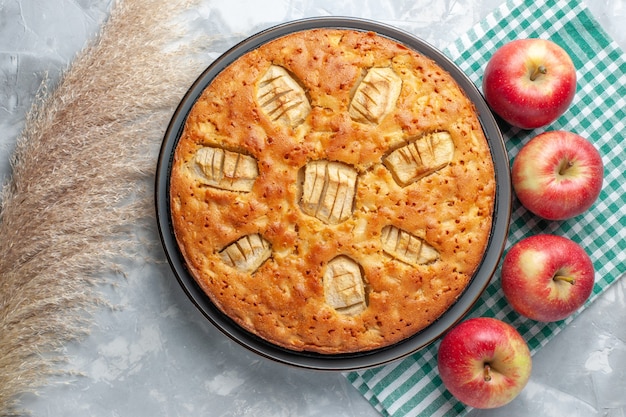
[539,70]
[564,278]
[565,165]
[487,372]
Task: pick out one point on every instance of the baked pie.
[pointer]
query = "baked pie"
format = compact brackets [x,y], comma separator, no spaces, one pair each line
[332,191]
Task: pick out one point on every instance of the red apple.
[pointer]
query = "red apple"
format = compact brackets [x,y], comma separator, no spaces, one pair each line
[547,277]
[529,82]
[484,362]
[557,175]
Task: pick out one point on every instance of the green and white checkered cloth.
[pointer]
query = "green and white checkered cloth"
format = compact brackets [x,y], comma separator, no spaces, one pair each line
[412,387]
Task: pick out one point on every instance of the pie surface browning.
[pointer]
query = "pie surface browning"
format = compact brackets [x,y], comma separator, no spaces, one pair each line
[332,191]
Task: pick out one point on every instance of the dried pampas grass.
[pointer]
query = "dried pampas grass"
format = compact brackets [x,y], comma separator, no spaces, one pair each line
[81,186]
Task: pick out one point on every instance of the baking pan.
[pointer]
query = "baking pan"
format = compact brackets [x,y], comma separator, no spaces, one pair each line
[348,361]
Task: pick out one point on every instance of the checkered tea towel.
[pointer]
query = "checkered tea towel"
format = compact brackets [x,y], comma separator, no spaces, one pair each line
[412,387]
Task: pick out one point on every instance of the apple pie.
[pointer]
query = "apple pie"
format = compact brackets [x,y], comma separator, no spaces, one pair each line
[332,191]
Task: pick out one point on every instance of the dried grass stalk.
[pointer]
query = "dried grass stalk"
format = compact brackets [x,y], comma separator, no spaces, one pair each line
[81,185]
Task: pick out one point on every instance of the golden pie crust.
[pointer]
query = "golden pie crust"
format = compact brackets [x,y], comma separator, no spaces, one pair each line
[332,191]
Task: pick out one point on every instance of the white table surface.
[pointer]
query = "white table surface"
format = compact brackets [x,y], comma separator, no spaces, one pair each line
[158,356]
